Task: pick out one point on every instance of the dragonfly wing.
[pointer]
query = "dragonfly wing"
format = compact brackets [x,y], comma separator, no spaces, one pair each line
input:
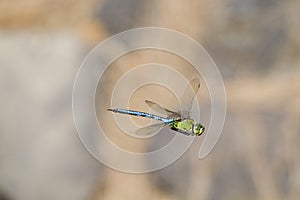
[150,129]
[189,96]
[158,108]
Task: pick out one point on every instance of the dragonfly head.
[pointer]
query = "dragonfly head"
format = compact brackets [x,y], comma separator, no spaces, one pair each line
[198,129]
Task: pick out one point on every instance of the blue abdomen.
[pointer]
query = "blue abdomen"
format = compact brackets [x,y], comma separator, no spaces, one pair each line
[141,114]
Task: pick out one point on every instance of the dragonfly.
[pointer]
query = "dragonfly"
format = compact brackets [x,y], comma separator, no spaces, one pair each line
[179,121]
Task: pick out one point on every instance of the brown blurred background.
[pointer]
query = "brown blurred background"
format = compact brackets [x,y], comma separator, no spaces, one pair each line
[256,47]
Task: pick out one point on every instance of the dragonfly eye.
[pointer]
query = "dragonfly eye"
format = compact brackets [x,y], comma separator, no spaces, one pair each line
[198,129]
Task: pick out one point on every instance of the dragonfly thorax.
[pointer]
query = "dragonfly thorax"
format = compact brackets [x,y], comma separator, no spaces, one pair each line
[188,127]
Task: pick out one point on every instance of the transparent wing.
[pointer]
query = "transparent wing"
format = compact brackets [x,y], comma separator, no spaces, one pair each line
[158,108]
[150,129]
[189,96]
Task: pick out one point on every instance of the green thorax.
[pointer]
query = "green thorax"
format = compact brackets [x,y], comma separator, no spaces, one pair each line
[185,126]
[188,127]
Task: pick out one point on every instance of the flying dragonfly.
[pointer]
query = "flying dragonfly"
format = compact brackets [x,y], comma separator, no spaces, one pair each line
[180,121]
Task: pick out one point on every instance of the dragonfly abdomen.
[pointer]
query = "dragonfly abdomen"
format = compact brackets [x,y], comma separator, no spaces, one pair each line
[141,114]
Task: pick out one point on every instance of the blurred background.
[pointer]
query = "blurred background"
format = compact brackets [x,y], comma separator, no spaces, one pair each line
[254,43]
